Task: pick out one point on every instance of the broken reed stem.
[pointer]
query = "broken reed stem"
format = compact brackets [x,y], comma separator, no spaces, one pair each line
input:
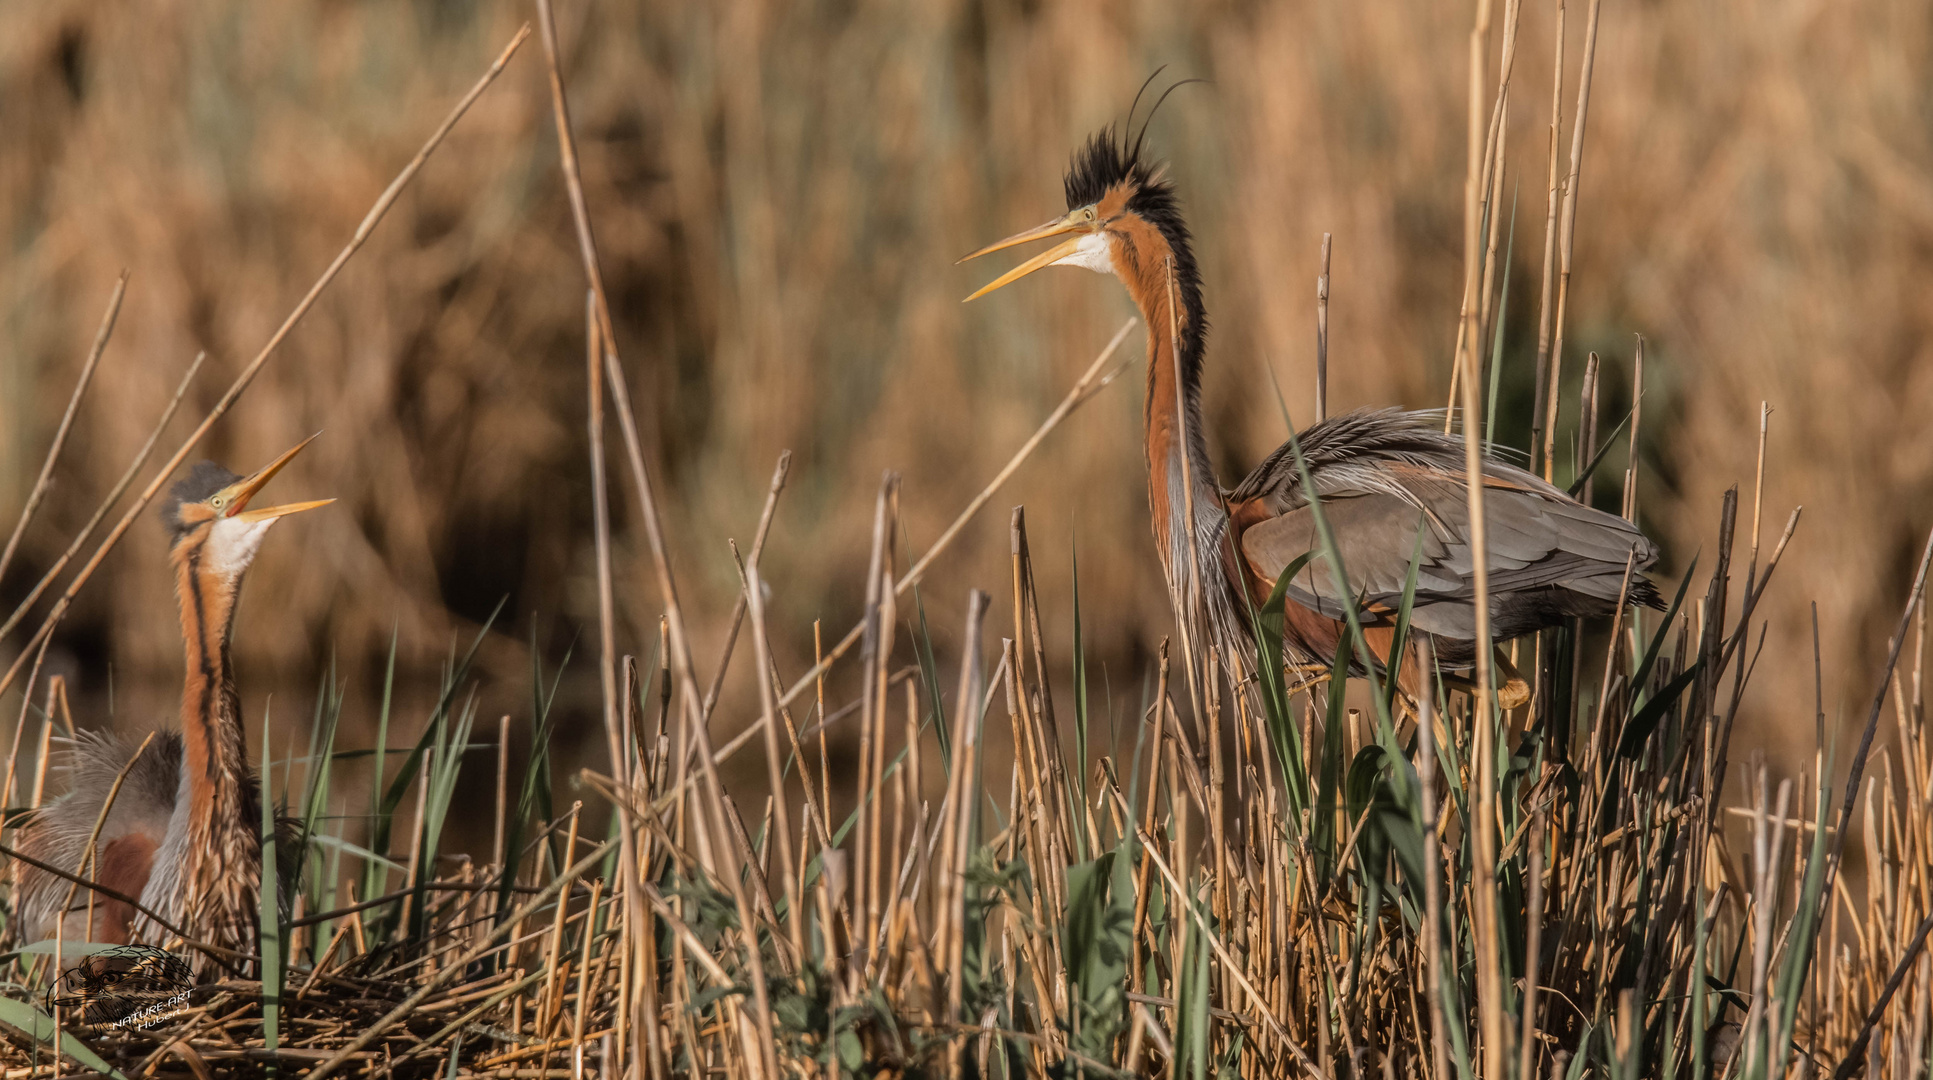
[864,905]
[755,595]
[1485,916]
[1630,503]
[1322,335]
[1546,294]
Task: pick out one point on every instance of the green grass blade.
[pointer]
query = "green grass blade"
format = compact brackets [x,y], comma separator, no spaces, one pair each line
[1339,578]
[322,745]
[930,677]
[1329,780]
[1278,712]
[1584,475]
[1643,673]
[452,682]
[375,879]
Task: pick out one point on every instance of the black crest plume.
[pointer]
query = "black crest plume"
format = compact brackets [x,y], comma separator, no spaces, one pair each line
[202,481]
[1111,159]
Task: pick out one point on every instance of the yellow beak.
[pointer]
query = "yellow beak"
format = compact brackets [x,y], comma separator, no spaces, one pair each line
[241,491]
[1057,227]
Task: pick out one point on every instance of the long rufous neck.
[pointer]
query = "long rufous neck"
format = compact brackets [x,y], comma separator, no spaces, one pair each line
[1172,413]
[211,720]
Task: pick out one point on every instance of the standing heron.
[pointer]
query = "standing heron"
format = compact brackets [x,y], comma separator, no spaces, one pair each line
[1382,475]
[184,831]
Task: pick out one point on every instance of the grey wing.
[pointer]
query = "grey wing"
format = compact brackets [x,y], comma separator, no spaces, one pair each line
[59,833]
[1548,555]
[1375,535]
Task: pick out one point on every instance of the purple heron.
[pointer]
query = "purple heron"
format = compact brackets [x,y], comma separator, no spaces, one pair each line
[1381,475]
[184,832]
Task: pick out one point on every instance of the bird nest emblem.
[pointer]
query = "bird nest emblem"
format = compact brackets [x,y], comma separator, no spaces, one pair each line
[129,985]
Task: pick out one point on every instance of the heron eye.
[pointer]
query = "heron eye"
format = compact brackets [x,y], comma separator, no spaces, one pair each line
[218,501]
[1087,214]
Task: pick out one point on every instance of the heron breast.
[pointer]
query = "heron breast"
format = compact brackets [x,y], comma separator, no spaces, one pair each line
[125,866]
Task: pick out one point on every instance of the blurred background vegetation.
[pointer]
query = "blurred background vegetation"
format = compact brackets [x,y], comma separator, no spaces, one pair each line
[780,191]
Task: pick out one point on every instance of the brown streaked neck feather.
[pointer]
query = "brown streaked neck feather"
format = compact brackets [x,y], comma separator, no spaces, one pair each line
[211,721]
[1144,257]
[216,883]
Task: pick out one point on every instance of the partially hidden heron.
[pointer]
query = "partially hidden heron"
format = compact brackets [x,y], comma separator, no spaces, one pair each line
[1381,476]
[183,834]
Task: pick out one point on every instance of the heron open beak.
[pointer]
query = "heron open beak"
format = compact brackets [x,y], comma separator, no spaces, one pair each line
[241,491]
[1057,227]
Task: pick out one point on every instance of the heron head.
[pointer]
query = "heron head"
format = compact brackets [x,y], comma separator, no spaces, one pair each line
[1117,202]
[208,511]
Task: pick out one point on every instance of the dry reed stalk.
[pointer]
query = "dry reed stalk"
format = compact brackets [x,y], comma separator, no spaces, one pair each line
[1587,428]
[584,989]
[1322,335]
[548,1002]
[41,755]
[1432,859]
[956,819]
[1044,741]
[13,758]
[615,735]
[1567,230]
[899,854]
[1630,501]
[754,592]
[864,905]
[757,729]
[1484,917]
[1498,140]
[1137,973]
[878,684]
[717,829]
[242,381]
[714,829]
[1546,390]
[42,482]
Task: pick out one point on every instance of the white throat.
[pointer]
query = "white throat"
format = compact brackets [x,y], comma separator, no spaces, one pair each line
[234,544]
[1094,253]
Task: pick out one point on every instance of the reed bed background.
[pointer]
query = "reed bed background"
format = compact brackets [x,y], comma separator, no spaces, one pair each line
[782,190]
[1032,849]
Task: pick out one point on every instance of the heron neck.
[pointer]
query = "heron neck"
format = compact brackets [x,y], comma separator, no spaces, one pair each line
[211,715]
[1172,411]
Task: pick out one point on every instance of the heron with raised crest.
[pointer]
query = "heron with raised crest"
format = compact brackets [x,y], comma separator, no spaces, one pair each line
[1390,483]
